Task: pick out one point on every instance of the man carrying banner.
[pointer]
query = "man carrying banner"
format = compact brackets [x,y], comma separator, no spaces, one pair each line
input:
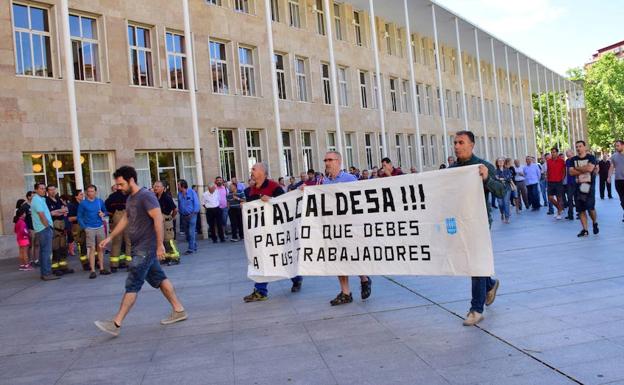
[333,162]
[265,189]
[483,288]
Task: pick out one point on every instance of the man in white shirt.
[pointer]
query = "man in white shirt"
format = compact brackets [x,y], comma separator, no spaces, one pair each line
[522,194]
[211,200]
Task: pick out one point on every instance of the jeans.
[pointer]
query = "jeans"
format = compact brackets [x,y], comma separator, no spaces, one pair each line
[261,287]
[480,287]
[504,202]
[533,193]
[493,197]
[187,225]
[570,190]
[144,267]
[215,224]
[44,238]
[543,189]
[224,216]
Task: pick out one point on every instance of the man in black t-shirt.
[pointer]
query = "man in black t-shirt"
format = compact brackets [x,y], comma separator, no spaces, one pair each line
[143,219]
[583,168]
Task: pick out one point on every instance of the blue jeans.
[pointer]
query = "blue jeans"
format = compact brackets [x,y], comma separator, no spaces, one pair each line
[44,238]
[543,189]
[504,203]
[224,216]
[144,267]
[480,287]
[188,223]
[261,287]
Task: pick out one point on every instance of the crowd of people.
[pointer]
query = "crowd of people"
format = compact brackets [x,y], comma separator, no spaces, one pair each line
[49,228]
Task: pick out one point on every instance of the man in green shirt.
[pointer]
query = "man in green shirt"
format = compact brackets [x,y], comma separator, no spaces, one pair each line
[483,288]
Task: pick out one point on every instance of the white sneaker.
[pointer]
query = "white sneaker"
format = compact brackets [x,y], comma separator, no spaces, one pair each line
[558,217]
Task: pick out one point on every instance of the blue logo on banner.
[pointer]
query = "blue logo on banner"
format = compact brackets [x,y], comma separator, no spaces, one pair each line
[451,226]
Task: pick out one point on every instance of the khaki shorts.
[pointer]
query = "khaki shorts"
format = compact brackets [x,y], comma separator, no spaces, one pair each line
[95,236]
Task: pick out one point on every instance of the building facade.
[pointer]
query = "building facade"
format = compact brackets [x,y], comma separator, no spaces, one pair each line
[133,104]
[617,49]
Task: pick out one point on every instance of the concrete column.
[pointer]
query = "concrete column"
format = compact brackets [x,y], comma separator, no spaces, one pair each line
[382,123]
[440,85]
[483,117]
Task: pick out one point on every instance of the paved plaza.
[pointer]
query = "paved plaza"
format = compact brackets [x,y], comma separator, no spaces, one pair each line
[558,319]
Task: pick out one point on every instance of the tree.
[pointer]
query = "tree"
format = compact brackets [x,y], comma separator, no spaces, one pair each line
[604,101]
[556,133]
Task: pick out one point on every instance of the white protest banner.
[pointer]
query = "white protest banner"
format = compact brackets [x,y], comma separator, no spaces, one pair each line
[434,223]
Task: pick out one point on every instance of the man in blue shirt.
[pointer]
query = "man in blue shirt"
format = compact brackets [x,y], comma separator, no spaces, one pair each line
[90,217]
[333,162]
[188,207]
[42,224]
[532,176]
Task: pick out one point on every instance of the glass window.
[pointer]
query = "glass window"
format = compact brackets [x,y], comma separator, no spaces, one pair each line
[275,10]
[320,17]
[398,145]
[337,22]
[423,150]
[363,89]
[241,6]
[358,28]
[307,150]
[406,96]
[331,141]
[393,95]
[343,89]
[140,56]
[227,154]
[349,150]
[31,31]
[368,149]
[254,149]
[281,76]
[83,31]
[176,60]
[294,14]
[219,67]
[247,71]
[327,98]
[300,73]
[166,166]
[287,156]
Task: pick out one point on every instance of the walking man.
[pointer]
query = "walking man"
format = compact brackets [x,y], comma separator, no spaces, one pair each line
[333,162]
[617,169]
[143,219]
[90,218]
[555,175]
[188,205]
[483,288]
[264,189]
[604,170]
[42,224]
[583,165]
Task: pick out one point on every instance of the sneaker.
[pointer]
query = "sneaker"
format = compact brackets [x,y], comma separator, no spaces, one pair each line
[296,287]
[491,294]
[233,239]
[22,268]
[28,267]
[596,229]
[366,288]
[341,299]
[583,233]
[49,277]
[92,275]
[104,272]
[558,217]
[255,297]
[109,327]
[175,316]
[473,318]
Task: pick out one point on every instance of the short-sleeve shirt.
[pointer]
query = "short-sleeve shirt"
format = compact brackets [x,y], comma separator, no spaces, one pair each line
[167,205]
[39,206]
[140,224]
[55,205]
[617,159]
[570,178]
[342,177]
[269,187]
[577,161]
[556,169]
[234,203]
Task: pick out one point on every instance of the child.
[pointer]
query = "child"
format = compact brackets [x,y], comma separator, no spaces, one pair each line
[23,238]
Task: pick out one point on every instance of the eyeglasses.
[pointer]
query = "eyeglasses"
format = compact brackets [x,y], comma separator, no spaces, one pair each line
[328,160]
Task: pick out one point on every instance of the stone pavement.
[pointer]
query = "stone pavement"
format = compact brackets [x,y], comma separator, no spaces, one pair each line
[558,319]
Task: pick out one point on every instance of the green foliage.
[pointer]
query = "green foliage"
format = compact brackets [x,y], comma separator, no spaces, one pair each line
[604,100]
[555,135]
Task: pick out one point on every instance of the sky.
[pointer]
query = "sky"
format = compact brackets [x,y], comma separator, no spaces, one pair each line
[559,34]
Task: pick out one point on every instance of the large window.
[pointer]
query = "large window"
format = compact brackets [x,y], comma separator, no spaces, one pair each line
[375,88]
[241,6]
[337,21]
[140,42]
[357,28]
[349,159]
[388,39]
[166,166]
[176,60]
[343,89]
[287,156]
[294,16]
[428,101]
[254,148]
[325,83]
[398,145]
[84,39]
[411,145]
[247,71]
[393,95]
[227,154]
[331,141]
[58,169]
[363,75]
[219,67]
[275,10]
[433,147]
[281,76]
[419,91]
[307,150]
[368,149]
[405,95]
[423,150]
[31,29]
[320,17]
[302,81]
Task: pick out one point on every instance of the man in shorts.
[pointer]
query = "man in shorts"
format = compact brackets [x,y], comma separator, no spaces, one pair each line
[90,217]
[144,220]
[555,173]
[583,165]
